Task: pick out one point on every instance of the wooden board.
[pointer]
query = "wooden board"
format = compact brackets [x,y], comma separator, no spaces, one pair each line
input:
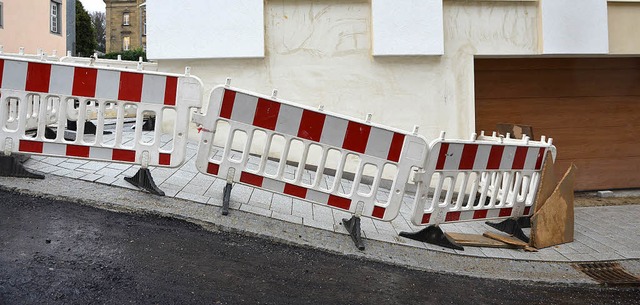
[477,240]
[548,183]
[512,241]
[589,106]
[553,224]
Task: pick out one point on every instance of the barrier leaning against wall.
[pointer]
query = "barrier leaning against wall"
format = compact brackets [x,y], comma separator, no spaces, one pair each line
[339,161]
[31,87]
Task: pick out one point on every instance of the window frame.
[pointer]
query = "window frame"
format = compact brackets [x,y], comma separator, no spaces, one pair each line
[55,20]
[1,15]
[126,43]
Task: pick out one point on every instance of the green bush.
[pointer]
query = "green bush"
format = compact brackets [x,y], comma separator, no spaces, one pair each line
[127,55]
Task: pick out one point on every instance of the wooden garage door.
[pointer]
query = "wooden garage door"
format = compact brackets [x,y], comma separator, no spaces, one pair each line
[589,106]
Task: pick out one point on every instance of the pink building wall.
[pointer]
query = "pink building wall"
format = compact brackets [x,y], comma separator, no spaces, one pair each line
[26,23]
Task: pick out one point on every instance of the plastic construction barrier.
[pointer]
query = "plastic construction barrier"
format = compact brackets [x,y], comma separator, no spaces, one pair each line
[44,91]
[480,179]
[250,119]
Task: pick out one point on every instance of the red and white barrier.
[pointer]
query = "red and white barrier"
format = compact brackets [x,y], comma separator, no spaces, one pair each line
[374,145]
[39,87]
[484,178]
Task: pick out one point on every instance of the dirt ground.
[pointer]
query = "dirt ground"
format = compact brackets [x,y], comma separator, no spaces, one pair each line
[590,199]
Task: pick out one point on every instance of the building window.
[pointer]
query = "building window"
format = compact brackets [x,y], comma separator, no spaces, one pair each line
[1,17]
[126,43]
[144,27]
[125,18]
[56,19]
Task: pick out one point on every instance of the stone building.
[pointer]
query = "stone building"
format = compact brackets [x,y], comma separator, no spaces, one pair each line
[126,25]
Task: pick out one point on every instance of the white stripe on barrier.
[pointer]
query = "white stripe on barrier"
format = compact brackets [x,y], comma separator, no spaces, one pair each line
[375,146]
[486,178]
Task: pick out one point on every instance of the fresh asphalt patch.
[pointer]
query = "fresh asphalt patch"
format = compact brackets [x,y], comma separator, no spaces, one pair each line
[62,252]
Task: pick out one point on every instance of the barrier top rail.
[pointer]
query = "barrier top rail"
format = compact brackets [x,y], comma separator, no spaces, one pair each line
[374,145]
[487,177]
[41,89]
[115,63]
[38,56]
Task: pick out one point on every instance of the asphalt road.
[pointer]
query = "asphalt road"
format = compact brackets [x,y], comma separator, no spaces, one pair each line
[54,252]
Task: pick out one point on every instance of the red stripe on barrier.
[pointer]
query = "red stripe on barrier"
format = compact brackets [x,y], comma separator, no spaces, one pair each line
[520,157]
[526,211]
[468,156]
[452,216]
[78,151]
[251,179]
[295,190]
[442,156]
[540,158]
[165,159]
[357,136]
[38,77]
[170,91]
[339,202]
[213,168]
[1,71]
[480,214]
[378,212]
[425,218]
[84,82]
[396,147]
[311,125]
[30,146]
[123,155]
[266,115]
[495,157]
[505,212]
[227,104]
[130,86]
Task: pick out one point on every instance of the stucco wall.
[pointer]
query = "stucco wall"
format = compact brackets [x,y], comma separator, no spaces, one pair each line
[26,24]
[319,52]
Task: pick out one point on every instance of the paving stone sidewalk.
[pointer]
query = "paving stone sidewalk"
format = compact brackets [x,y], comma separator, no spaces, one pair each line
[601,233]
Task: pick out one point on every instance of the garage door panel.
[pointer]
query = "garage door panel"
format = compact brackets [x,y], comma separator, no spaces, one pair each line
[598,174]
[590,107]
[594,143]
[514,64]
[562,112]
[557,83]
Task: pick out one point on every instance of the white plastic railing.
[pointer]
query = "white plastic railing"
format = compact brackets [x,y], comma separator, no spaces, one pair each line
[485,178]
[111,63]
[44,91]
[336,140]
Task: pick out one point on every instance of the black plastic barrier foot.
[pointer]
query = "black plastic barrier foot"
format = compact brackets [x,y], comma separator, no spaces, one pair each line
[510,226]
[226,197]
[524,222]
[433,235]
[143,180]
[353,227]
[10,167]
